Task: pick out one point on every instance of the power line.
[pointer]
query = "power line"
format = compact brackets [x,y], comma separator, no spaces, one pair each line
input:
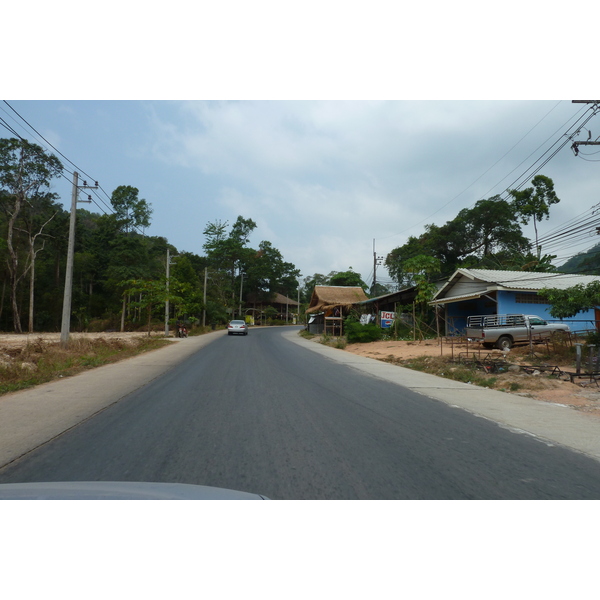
[79,169]
[532,153]
[503,156]
[47,142]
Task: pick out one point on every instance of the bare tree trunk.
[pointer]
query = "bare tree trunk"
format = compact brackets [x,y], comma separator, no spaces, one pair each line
[123,313]
[13,263]
[31,289]
[2,299]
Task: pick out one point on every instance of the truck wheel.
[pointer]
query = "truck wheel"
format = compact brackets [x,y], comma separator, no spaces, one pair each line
[504,343]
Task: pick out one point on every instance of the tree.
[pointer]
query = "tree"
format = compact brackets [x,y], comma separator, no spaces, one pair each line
[225,252]
[35,222]
[570,301]
[25,173]
[150,293]
[476,235]
[423,268]
[587,262]
[267,272]
[533,203]
[185,284]
[348,278]
[131,211]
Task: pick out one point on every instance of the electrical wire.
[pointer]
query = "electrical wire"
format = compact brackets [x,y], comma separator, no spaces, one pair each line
[523,175]
[79,169]
[577,230]
[485,172]
[47,142]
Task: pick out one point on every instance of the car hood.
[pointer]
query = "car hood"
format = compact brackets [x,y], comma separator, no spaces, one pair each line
[118,490]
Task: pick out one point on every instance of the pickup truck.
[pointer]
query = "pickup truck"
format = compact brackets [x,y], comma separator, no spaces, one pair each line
[503,331]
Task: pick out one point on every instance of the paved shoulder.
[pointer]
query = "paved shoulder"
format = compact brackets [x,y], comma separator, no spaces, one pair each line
[549,422]
[32,417]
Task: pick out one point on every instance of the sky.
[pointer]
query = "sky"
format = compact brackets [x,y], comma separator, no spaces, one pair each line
[326,182]
[338,130]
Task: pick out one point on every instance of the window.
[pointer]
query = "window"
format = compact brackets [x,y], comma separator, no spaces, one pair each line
[529,298]
[537,321]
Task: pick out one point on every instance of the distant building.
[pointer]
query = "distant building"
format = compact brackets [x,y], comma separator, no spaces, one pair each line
[286,308]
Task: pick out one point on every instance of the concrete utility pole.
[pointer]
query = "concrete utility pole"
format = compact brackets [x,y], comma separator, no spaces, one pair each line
[169,263]
[242,275]
[65,325]
[204,309]
[376,261]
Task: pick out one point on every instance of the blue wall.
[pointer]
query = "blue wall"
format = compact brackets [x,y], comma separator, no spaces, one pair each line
[459,311]
[507,304]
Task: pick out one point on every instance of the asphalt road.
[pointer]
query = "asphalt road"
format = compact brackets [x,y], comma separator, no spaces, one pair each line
[264,415]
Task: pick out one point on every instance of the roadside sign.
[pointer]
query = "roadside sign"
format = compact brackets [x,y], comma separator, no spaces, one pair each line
[386,319]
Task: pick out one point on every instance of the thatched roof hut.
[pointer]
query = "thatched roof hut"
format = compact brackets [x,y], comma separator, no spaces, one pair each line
[326,298]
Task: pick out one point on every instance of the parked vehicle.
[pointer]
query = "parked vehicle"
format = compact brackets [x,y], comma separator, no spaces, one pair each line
[237,328]
[503,331]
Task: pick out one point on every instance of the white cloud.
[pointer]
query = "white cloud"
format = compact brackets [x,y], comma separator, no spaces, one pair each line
[325,178]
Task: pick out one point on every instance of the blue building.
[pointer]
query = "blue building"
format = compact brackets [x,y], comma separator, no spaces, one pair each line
[488,292]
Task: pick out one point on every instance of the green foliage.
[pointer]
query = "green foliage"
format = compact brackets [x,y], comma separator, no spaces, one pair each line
[593,339]
[110,250]
[533,203]
[587,262]
[131,211]
[422,268]
[343,278]
[347,278]
[270,312]
[27,208]
[362,334]
[570,301]
[489,229]
[25,169]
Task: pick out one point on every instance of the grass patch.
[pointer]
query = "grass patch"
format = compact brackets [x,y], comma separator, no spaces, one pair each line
[444,367]
[41,362]
[307,334]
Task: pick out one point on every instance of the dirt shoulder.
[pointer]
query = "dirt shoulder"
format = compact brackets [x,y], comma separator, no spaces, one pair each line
[13,340]
[584,397]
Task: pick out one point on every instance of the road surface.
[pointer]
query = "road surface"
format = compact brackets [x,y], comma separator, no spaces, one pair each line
[262,414]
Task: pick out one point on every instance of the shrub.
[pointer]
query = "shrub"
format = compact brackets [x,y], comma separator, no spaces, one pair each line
[357,333]
[340,343]
[593,339]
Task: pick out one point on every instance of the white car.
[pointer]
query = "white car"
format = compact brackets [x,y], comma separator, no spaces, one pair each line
[237,328]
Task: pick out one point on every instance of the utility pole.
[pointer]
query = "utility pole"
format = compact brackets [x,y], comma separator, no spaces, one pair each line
[376,261]
[241,287]
[169,263]
[167,298]
[66,314]
[204,310]
[588,142]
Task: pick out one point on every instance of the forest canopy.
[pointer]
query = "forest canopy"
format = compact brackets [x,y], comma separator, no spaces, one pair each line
[117,269]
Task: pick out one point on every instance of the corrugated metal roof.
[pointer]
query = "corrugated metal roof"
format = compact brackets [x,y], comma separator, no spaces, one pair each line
[529,280]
